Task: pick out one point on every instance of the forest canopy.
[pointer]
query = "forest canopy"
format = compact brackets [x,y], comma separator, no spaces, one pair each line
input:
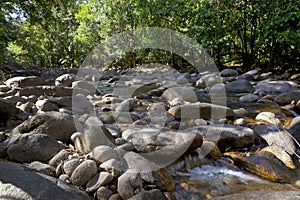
[60,33]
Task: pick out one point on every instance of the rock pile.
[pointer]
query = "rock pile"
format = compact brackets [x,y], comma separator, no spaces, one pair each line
[112,134]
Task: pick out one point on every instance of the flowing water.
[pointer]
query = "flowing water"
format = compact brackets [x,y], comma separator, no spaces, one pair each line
[203,178]
[216,178]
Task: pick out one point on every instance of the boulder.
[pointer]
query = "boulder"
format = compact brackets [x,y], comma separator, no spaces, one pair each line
[33,147]
[250,75]
[70,165]
[248,98]
[42,167]
[127,105]
[58,158]
[277,136]
[58,125]
[85,86]
[103,193]
[103,153]
[100,179]
[208,80]
[239,86]
[264,164]
[78,101]
[281,154]
[226,136]
[112,166]
[91,138]
[65,80]
[23,81]
[229,73]
[268,117]
[288,97]
[46,91]
[201,110]
[183,93]
[274,87]
[153,139]
[45,105]
[19,182]
[84,172]
[128,183]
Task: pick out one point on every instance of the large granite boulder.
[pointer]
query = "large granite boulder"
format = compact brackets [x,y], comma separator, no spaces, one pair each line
[23,81]
[33,147]
[58,125]
[19,182]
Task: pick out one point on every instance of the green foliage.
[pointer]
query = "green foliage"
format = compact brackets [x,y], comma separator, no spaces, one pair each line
[62,32]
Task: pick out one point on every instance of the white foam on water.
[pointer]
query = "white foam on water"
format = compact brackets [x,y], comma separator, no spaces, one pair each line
[207,172]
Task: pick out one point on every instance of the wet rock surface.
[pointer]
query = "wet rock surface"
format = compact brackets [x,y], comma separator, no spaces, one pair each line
[149,134]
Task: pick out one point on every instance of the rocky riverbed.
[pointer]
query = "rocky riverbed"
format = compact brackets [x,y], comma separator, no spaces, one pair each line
[149,133]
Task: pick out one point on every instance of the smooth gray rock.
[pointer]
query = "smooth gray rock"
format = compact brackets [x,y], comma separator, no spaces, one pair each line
[268,118]
[275,135]
[201,110]
[58,158]
[208,80]
[65,80]
[248,98]
[47,91]
[91,138]
[78,101]
[103,153]
[184,93]
[128,182]
[229,72]
[84,172]
[225,136]
[58,125]
[45,105]
[127,105]
[70,165]
[101,179]
[42,167]
[152,139]
[250,75]
[126,118]
[112,166]
[19,182]
[274,87]
[33,147]
[103,193]
[288,97]
[84,85]
[239,86]
[23,81]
